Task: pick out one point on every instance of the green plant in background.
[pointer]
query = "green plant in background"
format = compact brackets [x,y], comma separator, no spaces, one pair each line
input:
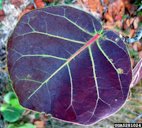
[11,109]
[69,1]
[27,125]
[1,1]
[134,54]
[12,112]
[138,3]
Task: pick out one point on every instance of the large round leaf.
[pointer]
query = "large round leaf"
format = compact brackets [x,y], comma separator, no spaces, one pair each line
[62,63]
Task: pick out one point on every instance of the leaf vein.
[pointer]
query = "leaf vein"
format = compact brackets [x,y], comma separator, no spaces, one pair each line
[70,22]
[100,48]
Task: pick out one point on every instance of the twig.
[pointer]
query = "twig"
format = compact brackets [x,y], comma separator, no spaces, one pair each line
[140,8]
[137,118]
[137,37]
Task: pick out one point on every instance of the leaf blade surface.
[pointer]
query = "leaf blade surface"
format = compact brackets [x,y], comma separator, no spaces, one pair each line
[71,69]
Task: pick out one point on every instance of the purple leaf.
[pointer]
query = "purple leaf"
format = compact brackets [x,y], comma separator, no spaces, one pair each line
[62,63]
[137,74]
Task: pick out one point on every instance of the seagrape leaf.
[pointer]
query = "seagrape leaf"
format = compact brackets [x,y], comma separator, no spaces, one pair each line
[63,63]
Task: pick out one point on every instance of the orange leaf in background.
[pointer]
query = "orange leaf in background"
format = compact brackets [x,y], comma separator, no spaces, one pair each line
[106,2]
[94,6]
[114,14]
[39,3]
[132,32]
[115,11]
[108,17]
[39,124]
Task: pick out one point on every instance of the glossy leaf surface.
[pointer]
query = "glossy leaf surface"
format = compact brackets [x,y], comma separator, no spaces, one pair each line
[62,63]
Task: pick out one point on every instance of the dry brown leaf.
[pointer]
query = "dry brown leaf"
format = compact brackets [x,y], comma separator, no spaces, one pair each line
[129,22]
[140,54]
[106,2]
[132,32]
[39,3]
[130,7]
[39,124]
[137,46]
[136,22]
[109,18]
[117,9]
[94,6]
[2,15]
[132,62]
[118,24]
[114,14]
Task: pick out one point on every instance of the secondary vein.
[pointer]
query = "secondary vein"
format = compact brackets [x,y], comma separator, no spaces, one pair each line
[91,41]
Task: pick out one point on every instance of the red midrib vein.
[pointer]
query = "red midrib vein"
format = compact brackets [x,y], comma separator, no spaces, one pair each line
[91,41]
